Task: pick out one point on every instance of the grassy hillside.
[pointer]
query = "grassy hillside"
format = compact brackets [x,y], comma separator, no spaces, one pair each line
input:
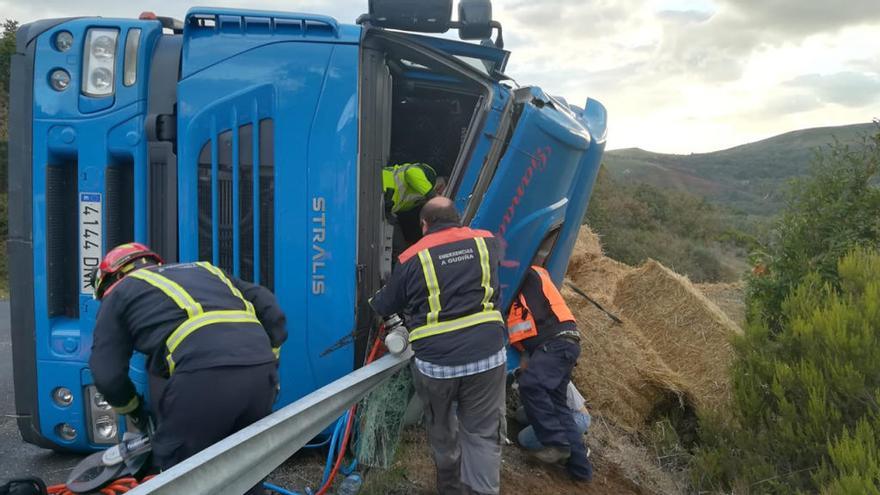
[749,178]
[637,221]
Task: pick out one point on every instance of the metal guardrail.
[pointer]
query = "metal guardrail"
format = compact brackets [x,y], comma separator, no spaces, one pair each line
[235,464]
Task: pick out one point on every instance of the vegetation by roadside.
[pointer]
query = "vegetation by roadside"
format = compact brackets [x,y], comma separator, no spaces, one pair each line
[805,416]
[637,221]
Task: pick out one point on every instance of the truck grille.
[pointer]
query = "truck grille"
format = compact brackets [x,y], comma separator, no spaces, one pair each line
[229,215]
[119,201]
[62,240]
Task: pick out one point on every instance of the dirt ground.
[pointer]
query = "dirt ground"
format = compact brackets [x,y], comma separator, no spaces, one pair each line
[413,473]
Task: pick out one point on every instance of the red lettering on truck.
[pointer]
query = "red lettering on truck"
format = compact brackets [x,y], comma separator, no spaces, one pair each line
[538,164]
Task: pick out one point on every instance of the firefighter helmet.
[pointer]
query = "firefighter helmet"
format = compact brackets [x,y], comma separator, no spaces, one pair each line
[117,263]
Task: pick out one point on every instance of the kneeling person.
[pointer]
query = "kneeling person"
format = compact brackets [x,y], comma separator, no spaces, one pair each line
[214,337]
[542,325]
[576,403]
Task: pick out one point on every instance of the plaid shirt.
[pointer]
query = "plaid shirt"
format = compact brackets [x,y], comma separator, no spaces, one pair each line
[446,372]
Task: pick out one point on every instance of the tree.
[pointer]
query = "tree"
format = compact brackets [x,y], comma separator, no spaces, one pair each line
[7,48]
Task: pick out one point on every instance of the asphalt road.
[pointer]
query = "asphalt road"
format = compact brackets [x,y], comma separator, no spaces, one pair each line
[18,458]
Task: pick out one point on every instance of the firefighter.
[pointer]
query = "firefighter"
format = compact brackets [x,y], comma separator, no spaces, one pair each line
[446,288]
[542,325]
[215,338]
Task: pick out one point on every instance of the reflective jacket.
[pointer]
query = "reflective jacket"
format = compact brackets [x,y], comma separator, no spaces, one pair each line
[183,317]
[408,183]
[538,313]
[446,288]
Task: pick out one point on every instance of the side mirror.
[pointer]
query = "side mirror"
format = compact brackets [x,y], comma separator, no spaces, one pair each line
[474,19]
[424,16]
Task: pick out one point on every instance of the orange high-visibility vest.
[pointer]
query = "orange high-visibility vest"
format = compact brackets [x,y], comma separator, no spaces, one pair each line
[520,323]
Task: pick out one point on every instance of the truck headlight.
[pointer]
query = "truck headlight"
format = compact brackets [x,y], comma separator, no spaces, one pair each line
[99,62]
[132,43]
[63,41]
[59,79]
[101,80]
[62,396]
[65,431]
[103,421]
[105,428]
[100,402]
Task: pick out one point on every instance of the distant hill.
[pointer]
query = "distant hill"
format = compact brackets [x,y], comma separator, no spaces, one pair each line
[750,178]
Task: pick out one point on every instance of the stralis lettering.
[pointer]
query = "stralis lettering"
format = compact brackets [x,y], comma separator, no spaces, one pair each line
[319,237]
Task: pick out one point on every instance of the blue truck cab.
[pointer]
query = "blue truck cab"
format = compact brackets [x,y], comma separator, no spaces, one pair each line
[255,140]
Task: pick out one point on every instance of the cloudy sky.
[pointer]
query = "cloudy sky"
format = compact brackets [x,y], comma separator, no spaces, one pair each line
[676,75]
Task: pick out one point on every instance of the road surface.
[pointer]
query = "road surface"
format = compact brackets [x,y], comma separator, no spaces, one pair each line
[16,457]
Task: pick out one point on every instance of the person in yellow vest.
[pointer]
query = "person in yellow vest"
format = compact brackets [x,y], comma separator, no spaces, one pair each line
[198,327]
[408,186]
[543,327]
[446,288]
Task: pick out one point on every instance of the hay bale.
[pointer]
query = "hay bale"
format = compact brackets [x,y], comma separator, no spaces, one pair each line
[690,334]
[587,244]
[618,372]
[591,271]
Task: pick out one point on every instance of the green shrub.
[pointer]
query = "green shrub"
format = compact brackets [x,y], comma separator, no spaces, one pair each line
[806,397]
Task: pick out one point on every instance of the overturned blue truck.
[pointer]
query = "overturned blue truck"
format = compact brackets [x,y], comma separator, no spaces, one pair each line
[255,140]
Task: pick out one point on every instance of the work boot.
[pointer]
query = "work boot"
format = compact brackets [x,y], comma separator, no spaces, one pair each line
[552,454]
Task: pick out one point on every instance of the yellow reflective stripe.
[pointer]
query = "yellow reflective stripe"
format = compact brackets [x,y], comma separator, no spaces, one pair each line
[487,274]
[129,407]
[171,289]
[432,285]
[456,324]
[193,324]
[237,293]
[277,352]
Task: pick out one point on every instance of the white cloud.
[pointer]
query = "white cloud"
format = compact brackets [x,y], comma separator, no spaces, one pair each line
[676,75]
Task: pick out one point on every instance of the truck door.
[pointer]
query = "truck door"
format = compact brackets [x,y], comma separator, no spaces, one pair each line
[540,186]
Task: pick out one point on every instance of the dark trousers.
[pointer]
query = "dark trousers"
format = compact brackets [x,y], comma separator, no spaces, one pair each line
[466,427]
[542,388]
[199,408]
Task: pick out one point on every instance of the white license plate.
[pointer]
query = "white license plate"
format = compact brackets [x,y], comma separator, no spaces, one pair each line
[90,223]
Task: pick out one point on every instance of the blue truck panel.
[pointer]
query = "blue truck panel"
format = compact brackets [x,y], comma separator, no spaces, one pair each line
[77,148]
[213,35]
[529,193]
[309,91]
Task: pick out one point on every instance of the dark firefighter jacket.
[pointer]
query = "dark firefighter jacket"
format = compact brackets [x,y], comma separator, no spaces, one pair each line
[544,306]
[183,317]
[446,288]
